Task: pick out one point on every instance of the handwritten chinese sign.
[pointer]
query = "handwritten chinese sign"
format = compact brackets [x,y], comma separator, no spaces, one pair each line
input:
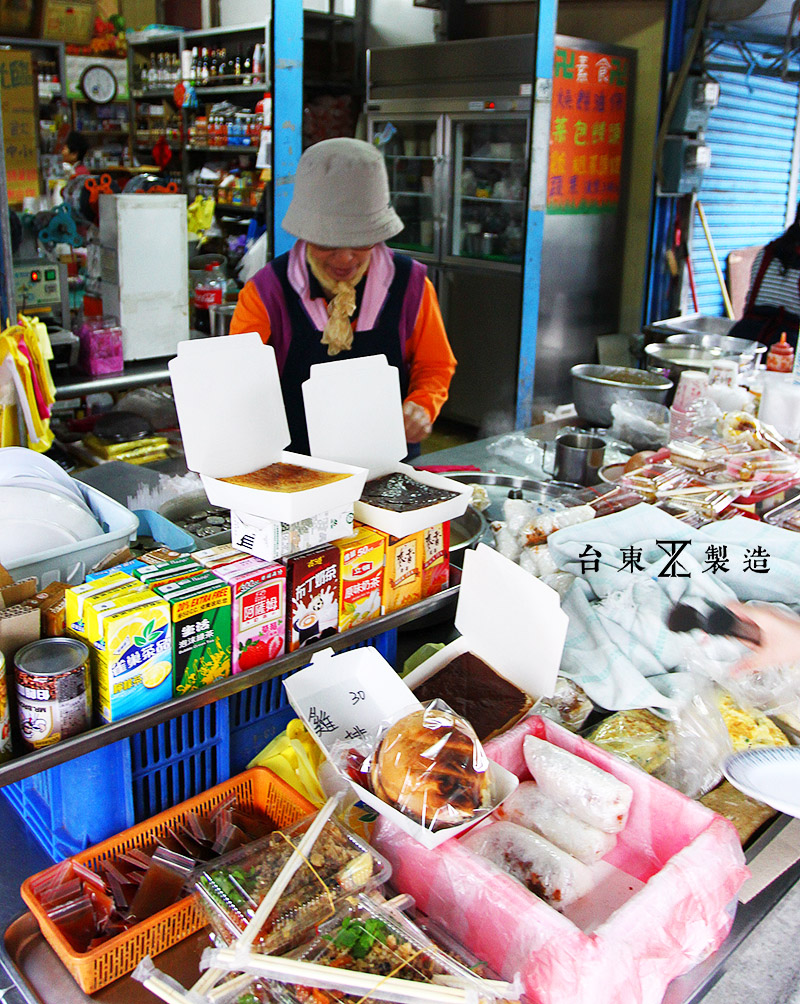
[587,130]
[19,124]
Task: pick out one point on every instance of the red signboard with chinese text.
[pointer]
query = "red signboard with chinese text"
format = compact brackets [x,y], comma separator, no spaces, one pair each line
[590,92]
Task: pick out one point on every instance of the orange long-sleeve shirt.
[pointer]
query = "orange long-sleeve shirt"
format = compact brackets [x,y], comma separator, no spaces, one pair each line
[428,355]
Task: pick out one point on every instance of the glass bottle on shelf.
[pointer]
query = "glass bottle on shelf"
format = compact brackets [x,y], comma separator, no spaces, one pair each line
[247,70]
[237,68]
[204,70]
[193,66]
[152,73]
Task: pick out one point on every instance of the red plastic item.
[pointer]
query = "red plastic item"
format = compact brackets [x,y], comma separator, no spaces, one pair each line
[780,357]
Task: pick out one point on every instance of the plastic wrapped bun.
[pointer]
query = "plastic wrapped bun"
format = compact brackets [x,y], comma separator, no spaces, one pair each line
[530,807]
[432,767]
[586,791]
[544,869]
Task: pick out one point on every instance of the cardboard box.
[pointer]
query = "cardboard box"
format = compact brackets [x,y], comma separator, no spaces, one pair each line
[271,539]
[663,901]
[258,608]
[323,693]
[312,596]
[69,21]
[230,409]
[17,17]
[360,577]
[366,428]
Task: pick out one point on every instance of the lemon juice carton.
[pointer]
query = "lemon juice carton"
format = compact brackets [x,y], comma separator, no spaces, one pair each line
[75,598]
[132,657]
[200,627]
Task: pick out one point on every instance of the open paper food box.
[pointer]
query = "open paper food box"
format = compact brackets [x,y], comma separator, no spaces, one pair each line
[365,428]
[663,898]
[232,419]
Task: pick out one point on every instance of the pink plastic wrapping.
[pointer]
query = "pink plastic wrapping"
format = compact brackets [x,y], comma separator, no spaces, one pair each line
[689,859]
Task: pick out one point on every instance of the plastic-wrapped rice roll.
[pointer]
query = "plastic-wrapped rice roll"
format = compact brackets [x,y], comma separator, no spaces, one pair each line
[586,791]
[538,529]
[504,541]
[546,870]
[530,807]
[546,564]
[517,512]
[529,560]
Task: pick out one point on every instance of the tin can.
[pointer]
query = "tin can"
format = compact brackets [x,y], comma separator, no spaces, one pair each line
[5,720]
[53,690]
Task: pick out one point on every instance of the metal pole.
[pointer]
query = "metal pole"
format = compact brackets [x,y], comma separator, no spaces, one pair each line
[542,89]
[287,110]
[8,303]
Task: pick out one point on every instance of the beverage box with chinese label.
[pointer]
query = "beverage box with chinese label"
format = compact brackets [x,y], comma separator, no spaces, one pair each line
[361,570]
[366,428]
[435,558]
[345,699]
[663,898]
[402,572]
[258,605]
[271,539]
[232,419]
[312,595]
[509,619]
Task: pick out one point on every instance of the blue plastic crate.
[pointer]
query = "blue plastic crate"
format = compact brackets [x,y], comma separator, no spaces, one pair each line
[76,804]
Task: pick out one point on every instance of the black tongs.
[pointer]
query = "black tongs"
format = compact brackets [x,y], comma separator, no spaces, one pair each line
[718,620]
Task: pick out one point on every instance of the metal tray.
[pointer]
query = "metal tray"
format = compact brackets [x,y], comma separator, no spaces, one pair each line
[41,978]
[499,485]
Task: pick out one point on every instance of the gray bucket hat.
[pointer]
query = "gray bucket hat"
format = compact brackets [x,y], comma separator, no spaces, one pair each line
[341,196]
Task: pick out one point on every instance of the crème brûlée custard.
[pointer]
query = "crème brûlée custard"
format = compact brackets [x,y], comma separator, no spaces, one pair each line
[280,477]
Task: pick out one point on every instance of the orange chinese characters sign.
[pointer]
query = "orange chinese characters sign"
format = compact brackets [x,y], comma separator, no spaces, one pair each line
[20,126]
[590,92]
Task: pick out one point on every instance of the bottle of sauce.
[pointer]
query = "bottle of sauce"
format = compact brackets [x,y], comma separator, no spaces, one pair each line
[780,357]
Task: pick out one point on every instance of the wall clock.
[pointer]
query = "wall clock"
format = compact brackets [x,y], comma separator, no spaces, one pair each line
[98,84]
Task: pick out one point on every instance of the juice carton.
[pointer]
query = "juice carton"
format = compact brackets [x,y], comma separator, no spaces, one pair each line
[112,599]
[128,566]
[76,596]
[362,557]
[402,572]
[312,595]
[167,571]
[435,558]
[258,607]
[133,661]
[200,613]
[160,555]
[220,554]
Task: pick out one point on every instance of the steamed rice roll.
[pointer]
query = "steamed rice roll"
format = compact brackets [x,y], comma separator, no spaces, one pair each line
[588,792]
[547,871]
[530,807]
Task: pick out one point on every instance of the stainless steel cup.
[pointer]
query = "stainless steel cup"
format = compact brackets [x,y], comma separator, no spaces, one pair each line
[578,458]
[221,315]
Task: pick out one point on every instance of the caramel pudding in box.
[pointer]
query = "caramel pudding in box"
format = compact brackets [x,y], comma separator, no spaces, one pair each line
[233,425]
[366,428]
[512,635]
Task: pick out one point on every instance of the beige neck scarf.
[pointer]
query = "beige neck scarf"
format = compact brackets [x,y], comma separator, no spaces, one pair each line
[338,333]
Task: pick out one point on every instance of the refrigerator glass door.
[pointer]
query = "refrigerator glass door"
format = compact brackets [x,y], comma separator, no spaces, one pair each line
[411,147]
[488,194]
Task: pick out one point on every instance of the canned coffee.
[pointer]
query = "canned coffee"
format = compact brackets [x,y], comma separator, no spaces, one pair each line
[53,690]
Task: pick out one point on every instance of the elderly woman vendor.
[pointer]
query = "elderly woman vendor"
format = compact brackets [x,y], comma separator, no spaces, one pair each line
[341,293]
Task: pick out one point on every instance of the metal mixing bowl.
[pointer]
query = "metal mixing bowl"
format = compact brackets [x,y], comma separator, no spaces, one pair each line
[595,388]
[670,360]
[723,344]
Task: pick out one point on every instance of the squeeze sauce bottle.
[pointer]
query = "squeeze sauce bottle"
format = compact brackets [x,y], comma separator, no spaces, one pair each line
[780,357]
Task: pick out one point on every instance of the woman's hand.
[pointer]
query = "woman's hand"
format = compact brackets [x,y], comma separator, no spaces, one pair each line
[417,422]
[780,637]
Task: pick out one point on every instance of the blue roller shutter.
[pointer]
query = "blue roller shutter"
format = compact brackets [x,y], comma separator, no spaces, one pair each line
[746,190]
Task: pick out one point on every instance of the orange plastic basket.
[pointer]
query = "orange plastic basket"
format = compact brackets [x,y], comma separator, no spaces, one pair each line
[257,790]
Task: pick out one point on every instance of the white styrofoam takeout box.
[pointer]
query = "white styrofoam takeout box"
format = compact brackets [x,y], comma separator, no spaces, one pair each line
[346,698]
[366,429]
[230,409]
[509,619]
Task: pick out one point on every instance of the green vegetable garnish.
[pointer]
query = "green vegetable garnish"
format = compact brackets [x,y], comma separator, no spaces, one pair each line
[358,936]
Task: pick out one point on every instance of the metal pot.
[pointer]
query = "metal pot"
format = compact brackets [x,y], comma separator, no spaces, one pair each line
[595,388]
[670,360]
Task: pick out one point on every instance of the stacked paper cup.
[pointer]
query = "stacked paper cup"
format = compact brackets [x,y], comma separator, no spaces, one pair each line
[692,386]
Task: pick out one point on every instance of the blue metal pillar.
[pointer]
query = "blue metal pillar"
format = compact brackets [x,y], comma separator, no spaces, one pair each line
[287,110]
[542,97]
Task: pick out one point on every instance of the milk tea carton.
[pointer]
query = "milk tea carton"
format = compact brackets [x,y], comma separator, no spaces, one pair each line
[362,557]
[402,572]
[312,595]
[435,558]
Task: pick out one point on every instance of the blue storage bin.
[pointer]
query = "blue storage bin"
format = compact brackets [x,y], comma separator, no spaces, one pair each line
[76,804]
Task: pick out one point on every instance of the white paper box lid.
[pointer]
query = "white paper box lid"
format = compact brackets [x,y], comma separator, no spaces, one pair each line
[229,402]
[511,620]
[354,413]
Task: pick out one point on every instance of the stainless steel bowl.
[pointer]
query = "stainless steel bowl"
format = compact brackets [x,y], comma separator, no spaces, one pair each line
[723,344]
[670,360]
[595,388]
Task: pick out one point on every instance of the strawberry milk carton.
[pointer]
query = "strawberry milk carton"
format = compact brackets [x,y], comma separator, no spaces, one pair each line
[258,604]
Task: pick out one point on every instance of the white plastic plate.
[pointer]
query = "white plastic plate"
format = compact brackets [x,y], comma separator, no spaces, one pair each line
[769,774]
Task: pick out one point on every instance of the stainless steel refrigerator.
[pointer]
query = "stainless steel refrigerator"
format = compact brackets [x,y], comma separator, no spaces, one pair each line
[453,121]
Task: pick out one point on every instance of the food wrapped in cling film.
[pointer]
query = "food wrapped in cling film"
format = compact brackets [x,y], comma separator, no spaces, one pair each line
[537,530]
[540,866]
[538,560]
[763,465]
[746,814]
[518,512]
[638,736]
[700,453]
[231,889]
[505,541]
[530,807]
[586,791]
[698,742]
[739,427]
[569,706]
[480,498]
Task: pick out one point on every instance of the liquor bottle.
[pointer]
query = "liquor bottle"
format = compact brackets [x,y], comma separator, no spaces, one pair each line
[247,71]
[152,73]
[237,68]
[204,72]
[193,66]
[222,68]
[257,60]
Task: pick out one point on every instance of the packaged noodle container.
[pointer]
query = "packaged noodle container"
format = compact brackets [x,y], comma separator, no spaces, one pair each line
[53,690]
[5,721]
